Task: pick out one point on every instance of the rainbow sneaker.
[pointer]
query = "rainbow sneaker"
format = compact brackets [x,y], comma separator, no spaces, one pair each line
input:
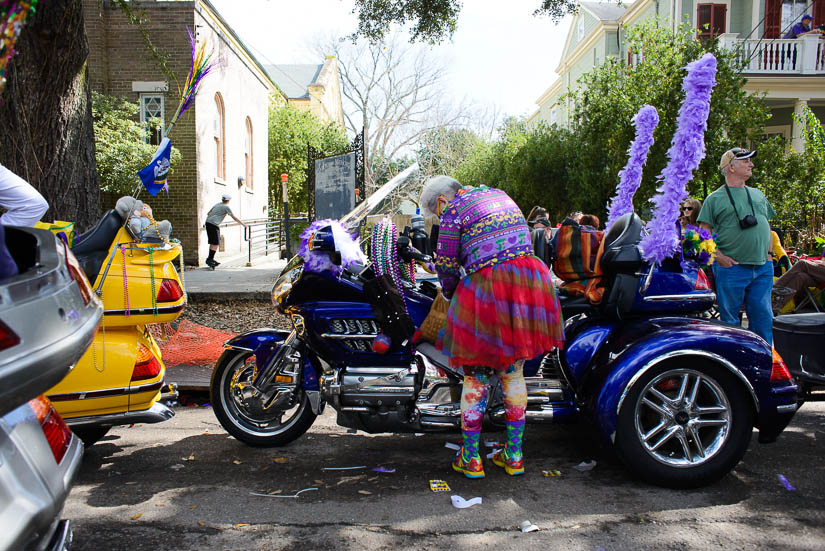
[472,467]
[512,466]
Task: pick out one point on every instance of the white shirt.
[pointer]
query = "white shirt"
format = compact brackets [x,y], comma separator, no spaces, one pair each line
[23,203]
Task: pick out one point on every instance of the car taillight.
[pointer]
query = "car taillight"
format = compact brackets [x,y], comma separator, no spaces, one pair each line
[78,276]
[54,427]
[779,371]
[170,291]
[147,365]
[702,281]
[8,338]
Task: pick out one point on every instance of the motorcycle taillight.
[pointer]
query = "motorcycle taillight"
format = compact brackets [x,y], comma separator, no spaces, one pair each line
[169,291]
[779,371]
[54,427]
[147,365]
[702,281]
[8,338]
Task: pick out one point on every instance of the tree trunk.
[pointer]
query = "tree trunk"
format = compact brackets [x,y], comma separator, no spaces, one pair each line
[46,113]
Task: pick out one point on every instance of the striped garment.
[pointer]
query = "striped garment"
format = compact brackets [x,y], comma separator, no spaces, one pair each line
[577,254]
[480,227]
[503,313]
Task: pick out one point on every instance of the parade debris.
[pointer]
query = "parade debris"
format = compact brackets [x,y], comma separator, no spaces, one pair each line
[585,466]
[296,494]
[439,486]
[461,503]
[528,526]
[785,483]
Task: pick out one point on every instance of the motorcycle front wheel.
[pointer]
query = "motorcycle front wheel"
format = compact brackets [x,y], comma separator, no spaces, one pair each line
[243,416]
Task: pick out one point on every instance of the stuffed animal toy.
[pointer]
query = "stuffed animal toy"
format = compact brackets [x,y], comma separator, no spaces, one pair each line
[141,223]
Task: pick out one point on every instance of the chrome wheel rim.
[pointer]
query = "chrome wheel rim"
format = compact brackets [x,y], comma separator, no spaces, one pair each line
[245,409]
[683,418]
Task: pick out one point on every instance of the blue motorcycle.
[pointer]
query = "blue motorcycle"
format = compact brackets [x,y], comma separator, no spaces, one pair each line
[677,395]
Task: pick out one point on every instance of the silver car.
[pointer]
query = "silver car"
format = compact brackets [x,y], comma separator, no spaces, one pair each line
[48,317]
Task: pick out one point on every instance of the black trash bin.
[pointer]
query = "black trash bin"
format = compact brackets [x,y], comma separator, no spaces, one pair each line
[800,340]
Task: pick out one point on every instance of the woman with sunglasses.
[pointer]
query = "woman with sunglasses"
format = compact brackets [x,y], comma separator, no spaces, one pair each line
[689,212]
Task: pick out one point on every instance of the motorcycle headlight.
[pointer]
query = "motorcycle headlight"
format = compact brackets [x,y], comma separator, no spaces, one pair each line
[288,278]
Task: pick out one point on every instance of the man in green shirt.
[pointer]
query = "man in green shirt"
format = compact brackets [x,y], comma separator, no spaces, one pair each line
[743,271]
[213,233]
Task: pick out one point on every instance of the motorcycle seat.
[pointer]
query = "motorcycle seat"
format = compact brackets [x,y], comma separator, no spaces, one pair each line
[92,246]
[574,305]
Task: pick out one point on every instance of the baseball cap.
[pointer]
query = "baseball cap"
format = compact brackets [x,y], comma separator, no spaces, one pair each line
[736,153]
[806,16]
[226,197]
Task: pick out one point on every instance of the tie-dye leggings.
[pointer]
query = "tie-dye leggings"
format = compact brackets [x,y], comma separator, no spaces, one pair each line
[474,394]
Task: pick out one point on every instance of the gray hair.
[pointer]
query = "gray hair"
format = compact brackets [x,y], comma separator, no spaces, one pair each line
[435,186]
[726,168]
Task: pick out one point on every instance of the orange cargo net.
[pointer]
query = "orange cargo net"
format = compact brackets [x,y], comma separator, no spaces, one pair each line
[193,344]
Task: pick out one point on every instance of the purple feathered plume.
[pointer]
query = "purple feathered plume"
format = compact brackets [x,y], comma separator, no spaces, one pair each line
[345,243]
[686,152]
[645,122]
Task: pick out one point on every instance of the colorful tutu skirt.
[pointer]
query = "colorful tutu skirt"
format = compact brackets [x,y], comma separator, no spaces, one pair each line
[503,313]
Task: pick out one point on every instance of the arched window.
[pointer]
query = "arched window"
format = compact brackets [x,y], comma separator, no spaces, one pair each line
[248,154]
[220,137]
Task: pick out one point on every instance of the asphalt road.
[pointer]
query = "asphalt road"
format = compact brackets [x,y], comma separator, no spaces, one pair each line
[185,484]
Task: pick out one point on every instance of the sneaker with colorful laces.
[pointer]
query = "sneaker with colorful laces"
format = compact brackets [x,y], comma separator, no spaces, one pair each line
[472,467]
[512,466]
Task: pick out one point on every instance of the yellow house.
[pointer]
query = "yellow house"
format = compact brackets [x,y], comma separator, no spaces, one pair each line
[315,88]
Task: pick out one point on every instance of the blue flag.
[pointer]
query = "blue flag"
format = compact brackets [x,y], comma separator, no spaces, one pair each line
[154,175]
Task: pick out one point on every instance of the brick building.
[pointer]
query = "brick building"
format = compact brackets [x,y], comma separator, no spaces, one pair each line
[223,138]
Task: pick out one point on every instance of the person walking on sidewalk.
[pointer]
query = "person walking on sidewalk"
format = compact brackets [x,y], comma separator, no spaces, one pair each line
[743,270]
[214,218]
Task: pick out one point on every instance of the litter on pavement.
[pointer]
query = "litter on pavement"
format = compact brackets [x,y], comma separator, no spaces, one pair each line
[439,486]
[528,526]
[785,483]
[296,494]
[585,466]
[461,503]
[343,468]
[551,472]
[383,470]
[452,446]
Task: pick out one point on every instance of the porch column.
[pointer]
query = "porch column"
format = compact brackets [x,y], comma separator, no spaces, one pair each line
[807,54]
[798,129]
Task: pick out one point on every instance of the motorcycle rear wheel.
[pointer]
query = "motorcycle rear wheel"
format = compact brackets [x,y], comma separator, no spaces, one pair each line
[248,422]
[685,425]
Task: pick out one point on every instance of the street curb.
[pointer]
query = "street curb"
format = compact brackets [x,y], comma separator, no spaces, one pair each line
[218,296]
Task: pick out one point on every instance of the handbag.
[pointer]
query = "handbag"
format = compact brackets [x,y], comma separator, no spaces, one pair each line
[435,320]
[388,306]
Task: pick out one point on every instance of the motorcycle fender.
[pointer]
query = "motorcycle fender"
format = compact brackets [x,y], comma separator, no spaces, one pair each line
[265,342]
[261,342]
[741,352]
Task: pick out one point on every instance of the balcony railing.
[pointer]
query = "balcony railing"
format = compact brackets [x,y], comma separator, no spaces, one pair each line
[796,56]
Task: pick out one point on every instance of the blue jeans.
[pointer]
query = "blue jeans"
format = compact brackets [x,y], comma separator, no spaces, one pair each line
[749,284]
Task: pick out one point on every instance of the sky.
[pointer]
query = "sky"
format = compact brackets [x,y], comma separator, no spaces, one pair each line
[501,57]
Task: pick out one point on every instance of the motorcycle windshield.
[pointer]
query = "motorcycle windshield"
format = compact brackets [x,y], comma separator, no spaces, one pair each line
[386,199]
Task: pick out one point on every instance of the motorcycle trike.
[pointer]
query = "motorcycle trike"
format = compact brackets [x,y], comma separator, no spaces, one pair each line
[675,394]
[120,378]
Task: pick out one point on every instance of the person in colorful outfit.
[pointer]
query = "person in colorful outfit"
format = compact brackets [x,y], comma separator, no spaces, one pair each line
[502,311]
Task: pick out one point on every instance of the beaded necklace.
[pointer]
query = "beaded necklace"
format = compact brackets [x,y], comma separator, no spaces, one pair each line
[126,310]
[384,252]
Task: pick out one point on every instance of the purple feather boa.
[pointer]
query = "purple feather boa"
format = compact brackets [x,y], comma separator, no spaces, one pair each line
[645,122]
[320,261]
[686,152]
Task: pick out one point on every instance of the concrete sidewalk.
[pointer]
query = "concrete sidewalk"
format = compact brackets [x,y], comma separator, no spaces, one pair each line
[254,282]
